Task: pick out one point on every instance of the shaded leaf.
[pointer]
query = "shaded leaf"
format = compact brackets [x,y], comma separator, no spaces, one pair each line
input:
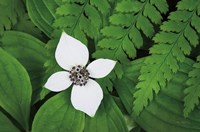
[57,114]
[15,95]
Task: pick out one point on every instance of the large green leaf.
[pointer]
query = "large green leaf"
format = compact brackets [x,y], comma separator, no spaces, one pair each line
[15,89]
[58,115]
[165,112]
[30,52]
[42,13]
[6,124]
[107,119]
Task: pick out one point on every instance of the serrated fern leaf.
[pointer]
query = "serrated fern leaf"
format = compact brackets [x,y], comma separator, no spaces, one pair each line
[81,18]
[193,90]
[124,35]
[9,11]
[129,22]
[174,42]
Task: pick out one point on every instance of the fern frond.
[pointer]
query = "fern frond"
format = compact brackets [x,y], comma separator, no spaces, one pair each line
[81,18]
[130,21]
[174,42]
[9,11]
[193,90]
[24,24]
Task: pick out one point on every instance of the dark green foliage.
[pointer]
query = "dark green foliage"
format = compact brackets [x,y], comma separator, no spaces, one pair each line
[128,24]
[9,12]
[13,16]
[24,24]
[175,40]
[164,113]
[121,30]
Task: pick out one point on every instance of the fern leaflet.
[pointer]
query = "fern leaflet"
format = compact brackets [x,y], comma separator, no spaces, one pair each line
[174,42]
[193,90]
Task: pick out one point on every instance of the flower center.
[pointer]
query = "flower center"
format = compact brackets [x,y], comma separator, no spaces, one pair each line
[79,75]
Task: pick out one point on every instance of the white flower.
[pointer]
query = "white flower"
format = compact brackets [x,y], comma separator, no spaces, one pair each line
[73,56]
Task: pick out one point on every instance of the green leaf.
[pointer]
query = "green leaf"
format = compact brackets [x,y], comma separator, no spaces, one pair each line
[42,14]
[151,12]
[136,37]
[184,45]
[103,5]
[192,36]
[113,31]
[144,24]
[160,48]
[6,124]
[69,9]
[129,48]
[161,66]
[65,22]
[30,52]
[58,115]
[15,95]
[187,5]
[108,118]
[193,90]
[172,26]
[129,6]
[119,19]
[180,15]
[113,44]
[161,5]
[196,23]
[166,37]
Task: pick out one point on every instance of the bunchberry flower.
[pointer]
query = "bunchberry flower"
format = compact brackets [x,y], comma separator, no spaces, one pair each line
[73,56]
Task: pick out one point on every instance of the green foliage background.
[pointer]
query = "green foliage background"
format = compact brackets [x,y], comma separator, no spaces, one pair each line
[154,86]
